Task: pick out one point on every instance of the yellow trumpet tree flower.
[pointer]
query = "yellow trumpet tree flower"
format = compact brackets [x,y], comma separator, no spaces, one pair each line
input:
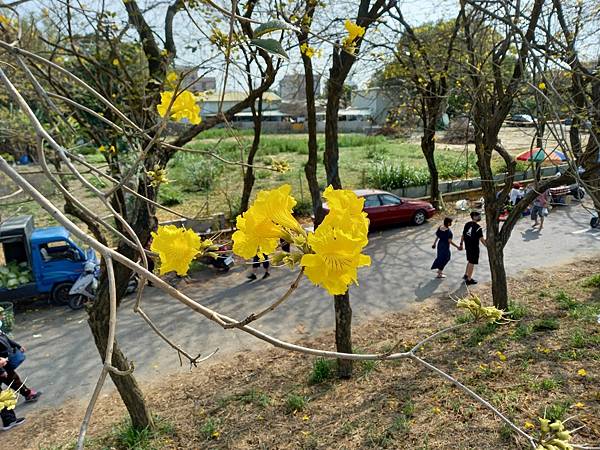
[267,220]
[8,399]
[354,33]
[111,150]
[157,176]
[307,50]
[176,248]
[346,212]
[183,106]
[337,256]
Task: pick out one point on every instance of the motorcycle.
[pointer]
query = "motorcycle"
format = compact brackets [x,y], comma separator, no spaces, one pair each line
[223,261]
[85,288]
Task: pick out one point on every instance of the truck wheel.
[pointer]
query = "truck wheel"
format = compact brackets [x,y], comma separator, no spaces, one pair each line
[419,218]
[76,302]
[579,193]
[60,294]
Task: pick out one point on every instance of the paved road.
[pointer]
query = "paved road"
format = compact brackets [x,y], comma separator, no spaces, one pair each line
[63,361]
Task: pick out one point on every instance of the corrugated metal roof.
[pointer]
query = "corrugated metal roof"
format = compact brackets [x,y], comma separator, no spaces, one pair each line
[239,96]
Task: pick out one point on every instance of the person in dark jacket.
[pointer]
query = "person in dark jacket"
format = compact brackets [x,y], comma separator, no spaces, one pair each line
[9,349]
[9,418]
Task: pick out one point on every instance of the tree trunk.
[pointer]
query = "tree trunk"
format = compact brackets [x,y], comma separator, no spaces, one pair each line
[578,95]
[142,220]
[343,333]
[249,173]
[428,148]
[332,152]
[310,169]
[499,283]
[343,311]
[129,390]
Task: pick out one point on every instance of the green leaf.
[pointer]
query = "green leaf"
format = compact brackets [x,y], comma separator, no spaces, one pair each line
[270,45]
[269,27]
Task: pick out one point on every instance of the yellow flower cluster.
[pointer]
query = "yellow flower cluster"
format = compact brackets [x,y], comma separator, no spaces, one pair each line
[309,51]
[171,79]
[110,150]
[473,305]
[8,399]
[280,165]
[266,221]
[177,247]
[354,33]
[553,436]
[157,176]
[183,106]
[330,256]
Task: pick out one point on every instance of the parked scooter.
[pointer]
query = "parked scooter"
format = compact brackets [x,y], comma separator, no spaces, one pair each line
[85,288]
[223,261]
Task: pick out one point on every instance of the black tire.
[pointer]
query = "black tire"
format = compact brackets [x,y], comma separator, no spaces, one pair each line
[60,294]
[578,193]
[595,222]
[132,285]
[419,218]
[76,302]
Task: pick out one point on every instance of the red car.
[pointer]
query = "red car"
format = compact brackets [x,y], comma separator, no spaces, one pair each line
[385,208]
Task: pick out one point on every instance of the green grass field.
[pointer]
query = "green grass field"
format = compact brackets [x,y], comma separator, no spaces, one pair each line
[199,180]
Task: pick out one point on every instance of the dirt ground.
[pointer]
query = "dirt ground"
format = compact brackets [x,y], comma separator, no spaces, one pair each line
[526,368]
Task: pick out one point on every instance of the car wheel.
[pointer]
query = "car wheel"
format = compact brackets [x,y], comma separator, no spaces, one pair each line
[60,294]
[595,222]
[419,218]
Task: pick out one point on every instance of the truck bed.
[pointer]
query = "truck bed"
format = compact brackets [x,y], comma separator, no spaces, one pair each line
[24,291]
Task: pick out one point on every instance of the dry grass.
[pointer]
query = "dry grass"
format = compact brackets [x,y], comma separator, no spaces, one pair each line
[264,400]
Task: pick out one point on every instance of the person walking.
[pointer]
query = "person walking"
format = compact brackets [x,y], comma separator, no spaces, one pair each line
[471,237]
[444,236]
[255,266]
[9,418]
[539,210]
[15,354]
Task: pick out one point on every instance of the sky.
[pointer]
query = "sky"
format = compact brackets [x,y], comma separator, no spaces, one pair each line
[186,34]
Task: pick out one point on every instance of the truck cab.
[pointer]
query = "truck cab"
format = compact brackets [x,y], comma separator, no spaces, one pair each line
[55,260]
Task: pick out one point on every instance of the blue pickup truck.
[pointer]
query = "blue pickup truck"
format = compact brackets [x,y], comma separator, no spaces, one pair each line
[51,261]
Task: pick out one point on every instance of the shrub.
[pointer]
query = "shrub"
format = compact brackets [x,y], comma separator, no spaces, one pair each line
[323,370]
[210,428]
[565,301]
[593,281]
[295,402]
[303,208]
[169,195]
[194,172]
[556,411]
[516,310]
[388,176]
[546,324]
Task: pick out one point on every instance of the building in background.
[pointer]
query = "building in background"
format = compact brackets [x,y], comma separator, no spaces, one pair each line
[376,100]
[292,87]
[193,83]
[212,100]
